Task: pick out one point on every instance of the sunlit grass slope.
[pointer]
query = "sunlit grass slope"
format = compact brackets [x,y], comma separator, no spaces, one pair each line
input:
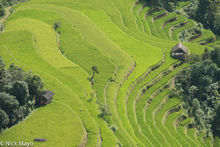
[130,44]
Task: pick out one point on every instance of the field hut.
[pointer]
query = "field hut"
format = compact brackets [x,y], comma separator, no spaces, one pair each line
[179,51]
[45,97]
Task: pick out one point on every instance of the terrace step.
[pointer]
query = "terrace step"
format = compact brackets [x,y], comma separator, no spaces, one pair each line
[161,110]
[181,27]
[182,130]
[138,106]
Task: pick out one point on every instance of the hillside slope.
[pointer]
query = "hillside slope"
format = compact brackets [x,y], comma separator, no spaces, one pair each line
[130,44]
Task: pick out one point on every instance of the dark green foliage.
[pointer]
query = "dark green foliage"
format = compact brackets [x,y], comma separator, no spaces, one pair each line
[2,64]
[193,58]
[7,3]
[216,23]
[18,92]
[216,123]
[4,120]
[199,85]
[35,85]
[113,128]
[21,92]
[10,105]
[105,113]
[94,71]
[8,102]
[216,55]
[169,5]
[206,54]
[2,10]
[208,14]
[56,26]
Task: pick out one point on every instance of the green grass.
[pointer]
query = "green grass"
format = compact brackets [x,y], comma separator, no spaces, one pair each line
[118,38]
[172,135]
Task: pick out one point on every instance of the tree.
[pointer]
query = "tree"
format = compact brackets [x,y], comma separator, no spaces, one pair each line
[206,54]
[8,102]
[10,105]
[2,10]
[217,22]
[4,120]
[56,25]
[21,92]
[105,113]
[35,85]
[216,123]
[208,14]
[94,71]
[17,73]
[216,55]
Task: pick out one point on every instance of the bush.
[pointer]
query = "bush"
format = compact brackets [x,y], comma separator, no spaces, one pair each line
[216,55]
[4,120]
[21,92]
[193,58]
[113,128]
[56,26]
[104,111]
[2,11]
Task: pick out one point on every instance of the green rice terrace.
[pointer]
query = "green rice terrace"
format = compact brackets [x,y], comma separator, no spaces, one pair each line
[128,100]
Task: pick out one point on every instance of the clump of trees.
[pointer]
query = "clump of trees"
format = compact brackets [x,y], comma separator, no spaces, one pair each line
[7,3]
[19,91]
[208,13]
[199,85]
[216,55]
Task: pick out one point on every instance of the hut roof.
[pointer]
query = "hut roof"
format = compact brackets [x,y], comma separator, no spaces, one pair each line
[48,94]
[178,47]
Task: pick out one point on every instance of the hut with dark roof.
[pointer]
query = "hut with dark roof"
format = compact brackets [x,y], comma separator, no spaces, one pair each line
[179,51]
[45,97]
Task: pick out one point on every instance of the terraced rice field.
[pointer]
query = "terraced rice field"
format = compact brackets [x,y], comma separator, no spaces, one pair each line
[130,44]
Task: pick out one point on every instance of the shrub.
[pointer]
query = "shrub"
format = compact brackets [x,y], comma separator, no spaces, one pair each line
[4,120]
[56,26]
[192,58]
[113,128]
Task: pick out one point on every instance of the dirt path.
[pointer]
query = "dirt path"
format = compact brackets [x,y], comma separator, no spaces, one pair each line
[7,14]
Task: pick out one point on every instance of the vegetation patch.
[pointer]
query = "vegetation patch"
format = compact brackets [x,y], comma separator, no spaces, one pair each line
[20,93]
